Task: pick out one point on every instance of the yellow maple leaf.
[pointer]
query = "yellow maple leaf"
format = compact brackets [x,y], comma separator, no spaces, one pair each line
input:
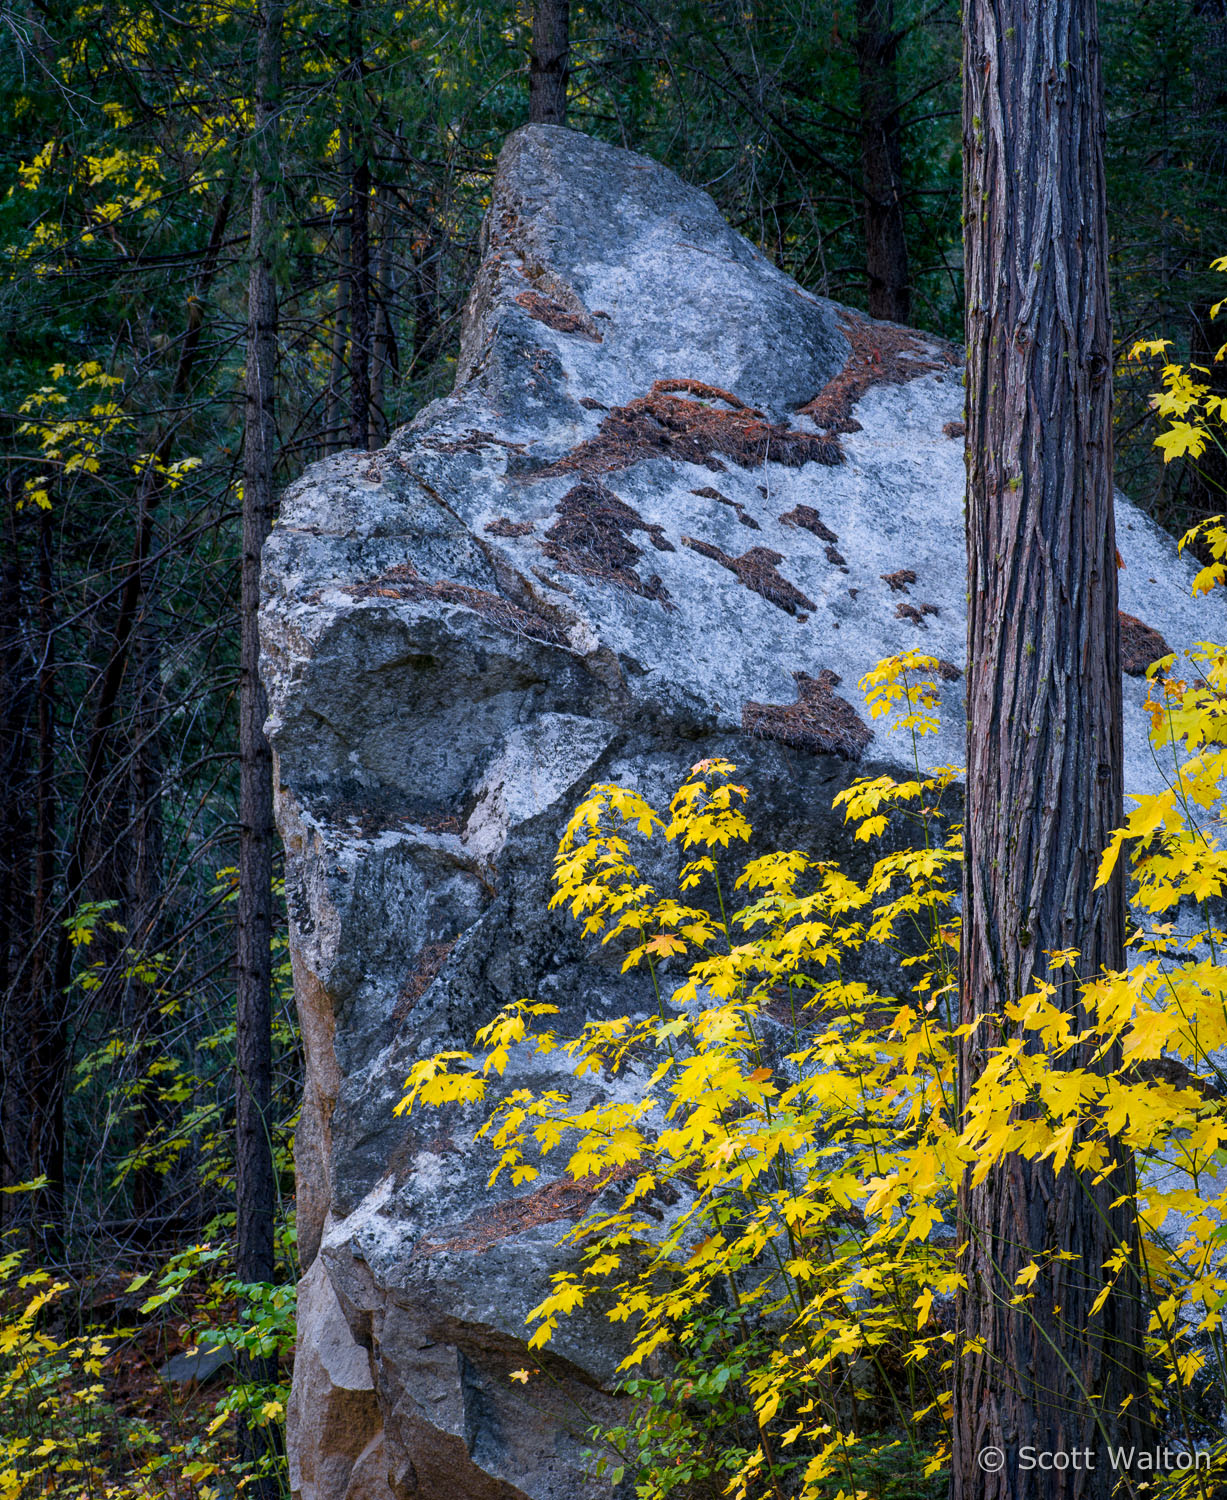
[665,943]
[1182,438]
[1145,347]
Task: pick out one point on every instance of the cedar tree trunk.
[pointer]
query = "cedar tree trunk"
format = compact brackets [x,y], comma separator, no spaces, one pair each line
[1044,726]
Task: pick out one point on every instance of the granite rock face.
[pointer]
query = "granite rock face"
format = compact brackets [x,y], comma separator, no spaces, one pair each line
[675,507]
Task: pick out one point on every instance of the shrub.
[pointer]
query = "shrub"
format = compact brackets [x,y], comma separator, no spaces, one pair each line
[778,1170]
[62,1432]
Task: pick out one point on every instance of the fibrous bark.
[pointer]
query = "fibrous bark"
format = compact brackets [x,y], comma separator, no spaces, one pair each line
[1044,751]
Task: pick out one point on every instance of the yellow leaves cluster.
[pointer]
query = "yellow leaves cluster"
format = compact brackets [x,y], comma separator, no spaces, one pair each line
[1213,534]
[61,1435]
[1195,415]
[782,1141]
[75,422]
[30,174]
[70,445]
[779,1134]
[898,686]
[1176,835]
[132,181]
[49,1443]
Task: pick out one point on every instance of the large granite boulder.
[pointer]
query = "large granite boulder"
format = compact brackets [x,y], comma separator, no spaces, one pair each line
[675,507]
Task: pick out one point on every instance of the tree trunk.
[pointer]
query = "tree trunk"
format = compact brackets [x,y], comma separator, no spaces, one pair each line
[384,353]
[549,62]
[145,895]
[49,1050]
[1208,490]
[255,1188]
[16,867]
[877,49]
[335,422]
[427,252]
[1044,726]
[359,242]
[359,298]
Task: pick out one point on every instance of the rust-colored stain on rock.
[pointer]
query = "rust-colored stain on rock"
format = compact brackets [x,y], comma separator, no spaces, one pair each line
[758,569]
[819,720]
[421,976]
[592,537]
[505,526]
[915,615]
[808,519]
[555,315]
[882,354]
[663,424]
[405,582]
[499,1221]
[1140,644]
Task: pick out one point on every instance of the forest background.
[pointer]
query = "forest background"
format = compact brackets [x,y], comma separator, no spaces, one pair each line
[828,133]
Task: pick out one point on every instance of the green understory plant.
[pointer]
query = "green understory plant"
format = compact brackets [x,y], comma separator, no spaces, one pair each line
[63,1432]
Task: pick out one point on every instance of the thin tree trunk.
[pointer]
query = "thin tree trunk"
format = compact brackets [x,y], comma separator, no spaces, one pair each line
[255,1188]
[48,1051]
[384,354]
[359,301]
[334,401]
[359,244]
[146,894]
[427,250]
[1208,491]
[549,62]
[16,868]
[1044,749]
[886,261]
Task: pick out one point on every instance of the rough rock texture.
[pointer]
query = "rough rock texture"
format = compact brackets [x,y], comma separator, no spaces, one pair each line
[547,580]
[338,1446]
